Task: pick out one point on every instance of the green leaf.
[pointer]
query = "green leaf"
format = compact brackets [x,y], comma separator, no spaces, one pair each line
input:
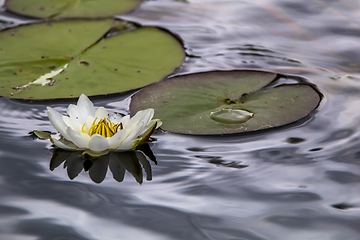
[77,58]
[224,102]
[71,8]
[43,135]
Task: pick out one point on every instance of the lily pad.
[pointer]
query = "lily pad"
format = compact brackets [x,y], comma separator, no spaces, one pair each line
[71,8]
[63,59]
[224,102]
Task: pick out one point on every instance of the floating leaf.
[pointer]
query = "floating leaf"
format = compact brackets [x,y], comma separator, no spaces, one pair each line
[71,8]
[223,102]
[62,59]
[43,135]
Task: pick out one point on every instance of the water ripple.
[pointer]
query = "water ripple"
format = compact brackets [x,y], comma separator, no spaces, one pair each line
[295,182]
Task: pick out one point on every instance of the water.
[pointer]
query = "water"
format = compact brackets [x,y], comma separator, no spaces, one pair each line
[231,116]
[293,183]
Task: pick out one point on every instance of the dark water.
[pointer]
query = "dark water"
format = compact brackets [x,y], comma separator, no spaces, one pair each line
[294,183]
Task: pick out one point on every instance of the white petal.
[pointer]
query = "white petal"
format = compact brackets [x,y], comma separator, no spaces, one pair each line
[101,113]
[147,129]
[80,140]
[130,145]
[93,154]
[158,123]
[143,115]
[61,145]
[79,113]
[57,121]
[85,106]
[89,123]
[125,120]
[68,121]
[98,143]
[117,139]
[76,115]
[134,133]
[135,119]
[148,115]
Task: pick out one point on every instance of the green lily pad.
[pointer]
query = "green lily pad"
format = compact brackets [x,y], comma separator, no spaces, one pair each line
[43,135]
[71,8]
[224,102]
[63,59]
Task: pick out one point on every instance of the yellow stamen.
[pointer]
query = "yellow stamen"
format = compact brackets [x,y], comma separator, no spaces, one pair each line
[82,129]
[104,128]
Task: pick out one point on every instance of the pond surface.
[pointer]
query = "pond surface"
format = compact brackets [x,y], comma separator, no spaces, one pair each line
[298,182]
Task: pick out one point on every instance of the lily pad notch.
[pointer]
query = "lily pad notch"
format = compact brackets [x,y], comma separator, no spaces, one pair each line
[226,102]
[63,59]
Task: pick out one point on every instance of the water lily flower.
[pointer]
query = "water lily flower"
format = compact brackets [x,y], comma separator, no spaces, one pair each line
[96,131]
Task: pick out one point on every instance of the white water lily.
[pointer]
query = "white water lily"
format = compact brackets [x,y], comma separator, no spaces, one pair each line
[95,131]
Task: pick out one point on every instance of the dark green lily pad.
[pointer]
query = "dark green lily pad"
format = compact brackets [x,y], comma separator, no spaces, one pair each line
[71,8]
[63,59]
[224,102]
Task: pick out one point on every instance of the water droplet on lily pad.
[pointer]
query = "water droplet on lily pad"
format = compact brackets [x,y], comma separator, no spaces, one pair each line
[231,116]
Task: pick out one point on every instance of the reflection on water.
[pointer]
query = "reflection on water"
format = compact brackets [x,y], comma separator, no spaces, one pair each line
[298,182]
[117,162]
[283,155]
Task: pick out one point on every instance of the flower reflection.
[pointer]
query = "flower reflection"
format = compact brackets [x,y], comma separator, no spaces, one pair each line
[118,163]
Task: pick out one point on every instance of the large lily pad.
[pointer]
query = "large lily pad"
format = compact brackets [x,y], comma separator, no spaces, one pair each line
[224,102]
[62,59]
[71,8]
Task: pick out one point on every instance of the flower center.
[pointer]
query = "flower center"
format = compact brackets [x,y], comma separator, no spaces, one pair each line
[104,128]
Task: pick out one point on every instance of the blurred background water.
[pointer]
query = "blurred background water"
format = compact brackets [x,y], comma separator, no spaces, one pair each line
[293,183]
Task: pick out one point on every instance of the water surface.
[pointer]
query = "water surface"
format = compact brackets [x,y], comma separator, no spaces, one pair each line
[298,182]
